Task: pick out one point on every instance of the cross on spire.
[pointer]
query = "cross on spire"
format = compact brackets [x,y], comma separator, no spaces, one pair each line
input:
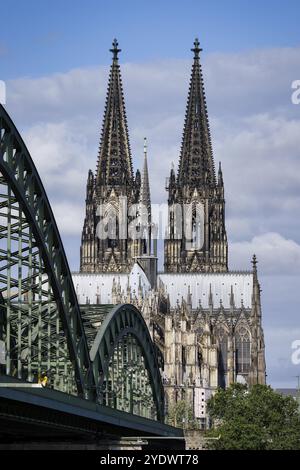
[115,49]
[196,49]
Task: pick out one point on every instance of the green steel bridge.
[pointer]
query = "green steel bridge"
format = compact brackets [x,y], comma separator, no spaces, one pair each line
[98,363]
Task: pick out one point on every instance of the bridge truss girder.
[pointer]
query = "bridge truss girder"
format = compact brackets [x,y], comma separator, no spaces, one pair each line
[125,364]
[40,319]
[30,242]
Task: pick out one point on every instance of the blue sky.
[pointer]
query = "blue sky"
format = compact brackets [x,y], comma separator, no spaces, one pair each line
[54,59]
[40,37]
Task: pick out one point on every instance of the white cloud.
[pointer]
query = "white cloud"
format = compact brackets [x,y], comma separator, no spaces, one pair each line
[276,254]
[253,82]
[255,132]
[261,164]
[62,155]
[57,97]
[69,217]
[281,370]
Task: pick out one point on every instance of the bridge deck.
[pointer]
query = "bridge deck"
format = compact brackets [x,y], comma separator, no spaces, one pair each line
[48,415]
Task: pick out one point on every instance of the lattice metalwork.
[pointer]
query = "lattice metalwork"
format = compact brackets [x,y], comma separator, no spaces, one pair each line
[125,364]
[42,330]
[35,341]
[127,386]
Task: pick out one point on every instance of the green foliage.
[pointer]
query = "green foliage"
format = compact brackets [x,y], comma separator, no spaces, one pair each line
[257,419]
[181,415]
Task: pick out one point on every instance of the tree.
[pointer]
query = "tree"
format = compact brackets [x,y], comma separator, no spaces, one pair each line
[258,419]
[181,415]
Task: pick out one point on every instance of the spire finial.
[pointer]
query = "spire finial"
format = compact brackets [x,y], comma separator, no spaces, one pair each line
[115,49]
[254,263]
[220,175]
[145,145]
[196,49]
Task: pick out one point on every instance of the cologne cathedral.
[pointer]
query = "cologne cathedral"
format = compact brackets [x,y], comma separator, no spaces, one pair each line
[205,320]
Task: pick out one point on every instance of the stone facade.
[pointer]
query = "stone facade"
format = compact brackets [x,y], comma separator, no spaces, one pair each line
[197,188]
[206,321]
[112,190]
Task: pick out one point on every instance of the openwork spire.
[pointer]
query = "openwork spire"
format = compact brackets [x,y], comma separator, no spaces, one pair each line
[196,166]
[145,197]
[114,162]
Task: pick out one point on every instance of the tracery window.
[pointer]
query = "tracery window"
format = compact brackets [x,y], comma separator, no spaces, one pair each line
[222,341]
[243,351]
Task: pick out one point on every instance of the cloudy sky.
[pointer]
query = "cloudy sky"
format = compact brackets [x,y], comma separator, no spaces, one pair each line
[55,61]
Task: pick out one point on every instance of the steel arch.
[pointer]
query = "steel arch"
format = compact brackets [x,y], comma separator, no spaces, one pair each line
[123,320]
[18,169]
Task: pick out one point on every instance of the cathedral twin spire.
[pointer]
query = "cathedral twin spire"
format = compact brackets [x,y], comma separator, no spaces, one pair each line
[194,186]
[196,166]
[114,178]
[114,161]
[114,190]
[205,248]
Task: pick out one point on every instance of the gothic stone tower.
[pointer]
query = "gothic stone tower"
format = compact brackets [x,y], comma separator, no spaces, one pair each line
[196,187]
[206,321]
[213,333]
[105,244]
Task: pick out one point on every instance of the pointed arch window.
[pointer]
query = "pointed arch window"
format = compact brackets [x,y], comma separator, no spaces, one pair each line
[222,342]
[194,225]
[243,351]
[197,226]
[199,358]
[112,227]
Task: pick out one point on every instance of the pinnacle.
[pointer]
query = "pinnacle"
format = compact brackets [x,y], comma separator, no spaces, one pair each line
[114,133]
[196,138]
